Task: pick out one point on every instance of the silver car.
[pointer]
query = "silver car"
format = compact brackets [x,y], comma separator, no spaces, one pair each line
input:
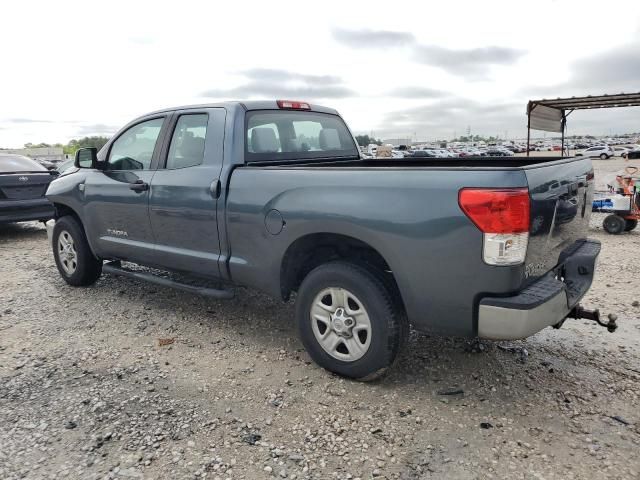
[604,152]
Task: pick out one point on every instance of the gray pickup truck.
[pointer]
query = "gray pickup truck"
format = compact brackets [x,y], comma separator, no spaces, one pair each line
[274,195]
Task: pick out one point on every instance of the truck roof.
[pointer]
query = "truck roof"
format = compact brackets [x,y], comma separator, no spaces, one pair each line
[244,104]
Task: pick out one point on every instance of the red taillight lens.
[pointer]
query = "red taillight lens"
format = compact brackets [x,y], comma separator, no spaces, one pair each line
[496,210]
[293,105]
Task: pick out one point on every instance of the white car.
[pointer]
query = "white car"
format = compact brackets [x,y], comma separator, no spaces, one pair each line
[621,151]
[442,153]
[602,151]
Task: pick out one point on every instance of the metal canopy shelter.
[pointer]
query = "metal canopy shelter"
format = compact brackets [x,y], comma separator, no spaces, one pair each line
[551,115]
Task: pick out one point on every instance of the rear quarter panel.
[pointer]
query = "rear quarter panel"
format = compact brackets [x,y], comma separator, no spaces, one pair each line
[410,216]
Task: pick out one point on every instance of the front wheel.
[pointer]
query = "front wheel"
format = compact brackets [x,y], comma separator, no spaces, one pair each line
[614,224]
[74,259]
[603,156]
[348,321]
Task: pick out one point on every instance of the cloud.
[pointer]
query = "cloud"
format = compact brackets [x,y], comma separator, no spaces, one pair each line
[454,114]
[141,40]
[613,71]
[97,129]
[416,92]
[372,38]
[27,120]
[264,82]
[276,75]
[472,62]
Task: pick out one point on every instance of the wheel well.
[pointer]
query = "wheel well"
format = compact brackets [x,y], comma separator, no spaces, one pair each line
[313,250]
[63,211]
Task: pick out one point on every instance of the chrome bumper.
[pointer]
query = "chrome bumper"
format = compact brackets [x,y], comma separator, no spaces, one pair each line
[500,323]
[546,302]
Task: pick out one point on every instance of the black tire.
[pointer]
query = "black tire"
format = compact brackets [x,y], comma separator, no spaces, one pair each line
[389,327]
[87,267]
[604,156]
[614,224]
[630,224]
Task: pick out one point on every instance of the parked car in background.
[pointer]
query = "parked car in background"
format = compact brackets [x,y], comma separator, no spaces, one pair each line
[421,154]
[499,152]
[23,184]
[602,151]
[620,151]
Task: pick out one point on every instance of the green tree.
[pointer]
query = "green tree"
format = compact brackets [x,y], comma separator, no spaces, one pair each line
[364,140]
[75,144]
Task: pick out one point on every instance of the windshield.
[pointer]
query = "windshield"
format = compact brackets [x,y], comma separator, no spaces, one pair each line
[276,135]
[18,163]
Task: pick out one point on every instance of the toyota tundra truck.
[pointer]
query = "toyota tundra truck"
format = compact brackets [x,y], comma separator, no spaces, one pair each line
[274,195]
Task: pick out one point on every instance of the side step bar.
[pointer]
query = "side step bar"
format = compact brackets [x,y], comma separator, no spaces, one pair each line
[114,268]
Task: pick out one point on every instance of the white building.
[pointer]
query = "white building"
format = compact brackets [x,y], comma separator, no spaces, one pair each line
[50,154]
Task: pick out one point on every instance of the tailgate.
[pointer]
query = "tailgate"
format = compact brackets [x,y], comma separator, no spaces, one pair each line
[24,186]
[561,195]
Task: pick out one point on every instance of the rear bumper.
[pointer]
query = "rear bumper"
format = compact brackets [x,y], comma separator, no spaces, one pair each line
[546,302]
[25,210]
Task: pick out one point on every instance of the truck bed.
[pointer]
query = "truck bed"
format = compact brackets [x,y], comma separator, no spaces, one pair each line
[408,211]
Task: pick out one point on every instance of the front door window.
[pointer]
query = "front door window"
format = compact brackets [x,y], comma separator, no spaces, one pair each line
[133,149]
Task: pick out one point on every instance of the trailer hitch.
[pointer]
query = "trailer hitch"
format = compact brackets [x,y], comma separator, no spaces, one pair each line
[579,312]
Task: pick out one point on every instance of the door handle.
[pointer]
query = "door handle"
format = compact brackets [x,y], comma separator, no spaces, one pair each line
[215,188]
[139,186]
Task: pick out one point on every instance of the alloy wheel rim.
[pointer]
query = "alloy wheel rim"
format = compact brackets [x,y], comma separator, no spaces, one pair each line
[67,253]
[341,324]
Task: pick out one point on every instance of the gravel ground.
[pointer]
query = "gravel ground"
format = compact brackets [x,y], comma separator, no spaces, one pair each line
[92,387]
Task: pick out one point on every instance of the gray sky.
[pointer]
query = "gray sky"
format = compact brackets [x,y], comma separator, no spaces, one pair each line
[400,68]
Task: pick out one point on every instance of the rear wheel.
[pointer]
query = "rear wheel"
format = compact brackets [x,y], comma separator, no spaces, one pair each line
[614,224]
[630,224]
[74,259]
[603,156]
[348,320]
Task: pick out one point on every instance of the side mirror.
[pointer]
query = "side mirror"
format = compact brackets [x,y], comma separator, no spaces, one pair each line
[86,157]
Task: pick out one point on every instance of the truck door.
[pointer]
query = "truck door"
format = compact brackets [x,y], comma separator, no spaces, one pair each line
[117,197]
[185,190]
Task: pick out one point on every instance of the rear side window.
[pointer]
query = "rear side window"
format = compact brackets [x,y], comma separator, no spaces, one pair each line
[187,143]
[291,135]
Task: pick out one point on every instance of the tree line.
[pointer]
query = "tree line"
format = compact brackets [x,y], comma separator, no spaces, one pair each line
[73,145]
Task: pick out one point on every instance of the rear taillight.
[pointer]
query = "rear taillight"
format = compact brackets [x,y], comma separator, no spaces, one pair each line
[293,105]
[502,215]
